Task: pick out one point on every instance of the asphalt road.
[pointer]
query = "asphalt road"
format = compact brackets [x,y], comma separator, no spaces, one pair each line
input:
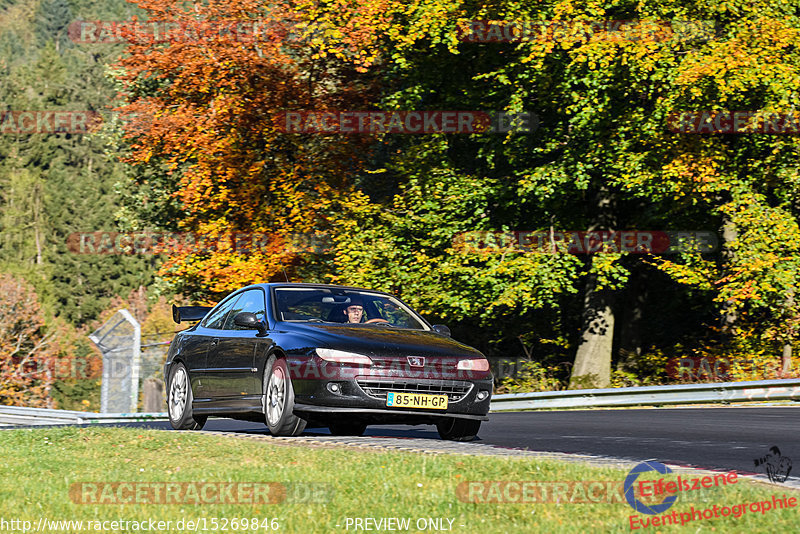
[716,438]
[712,438]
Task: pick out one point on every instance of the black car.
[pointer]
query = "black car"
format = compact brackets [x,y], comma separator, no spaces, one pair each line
[297,355]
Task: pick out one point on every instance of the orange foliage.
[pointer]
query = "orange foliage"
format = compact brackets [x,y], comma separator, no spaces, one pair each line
[27,353]
[211,105]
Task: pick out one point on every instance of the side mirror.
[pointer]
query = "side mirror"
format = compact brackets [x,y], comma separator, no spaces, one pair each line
[250,322]
[441,329]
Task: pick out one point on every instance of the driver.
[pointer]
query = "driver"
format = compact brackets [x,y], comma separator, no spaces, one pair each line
[354,311]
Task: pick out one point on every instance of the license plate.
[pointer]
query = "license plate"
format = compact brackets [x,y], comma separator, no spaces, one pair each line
[416,400]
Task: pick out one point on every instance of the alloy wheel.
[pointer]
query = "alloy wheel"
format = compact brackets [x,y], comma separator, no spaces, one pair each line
[276,395]
[177,394]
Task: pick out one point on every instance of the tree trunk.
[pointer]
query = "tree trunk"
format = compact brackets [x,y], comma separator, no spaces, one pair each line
[592,366]
[593,359]
[37,204]
[786,359]
[729,315]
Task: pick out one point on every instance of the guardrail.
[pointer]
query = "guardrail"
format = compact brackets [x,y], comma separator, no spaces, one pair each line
[724,392]
[14,415]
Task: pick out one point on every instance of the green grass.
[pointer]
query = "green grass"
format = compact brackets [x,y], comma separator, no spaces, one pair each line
[39,467]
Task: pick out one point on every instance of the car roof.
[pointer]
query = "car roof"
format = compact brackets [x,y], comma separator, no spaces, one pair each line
[309,285]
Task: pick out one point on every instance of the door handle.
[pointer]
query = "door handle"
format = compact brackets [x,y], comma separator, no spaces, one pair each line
[214,341]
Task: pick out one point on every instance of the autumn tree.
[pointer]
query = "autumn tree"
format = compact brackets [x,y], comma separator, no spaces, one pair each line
[26,349]
[207,149]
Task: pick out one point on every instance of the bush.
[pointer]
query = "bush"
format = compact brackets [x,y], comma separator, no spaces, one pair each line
[533,376]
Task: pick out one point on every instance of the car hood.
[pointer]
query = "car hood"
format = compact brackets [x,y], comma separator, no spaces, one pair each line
[385,340]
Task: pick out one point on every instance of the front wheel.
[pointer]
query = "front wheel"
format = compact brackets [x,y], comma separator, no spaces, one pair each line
[278,400]
[179,401]
[455,429]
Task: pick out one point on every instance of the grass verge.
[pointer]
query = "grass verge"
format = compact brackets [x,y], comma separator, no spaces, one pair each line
[50,472]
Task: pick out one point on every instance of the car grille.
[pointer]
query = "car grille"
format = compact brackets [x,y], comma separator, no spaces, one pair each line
[377,388]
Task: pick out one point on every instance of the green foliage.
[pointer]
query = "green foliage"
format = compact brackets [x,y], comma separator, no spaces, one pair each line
[53,185]
[51,20]
[77,394]
[747,352]
[533,376]
[602,157]
[648,369]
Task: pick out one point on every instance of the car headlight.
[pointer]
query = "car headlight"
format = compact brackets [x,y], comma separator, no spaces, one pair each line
[474,364]
[340,356]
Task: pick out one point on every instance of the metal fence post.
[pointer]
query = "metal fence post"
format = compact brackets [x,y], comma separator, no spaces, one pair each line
[120,388]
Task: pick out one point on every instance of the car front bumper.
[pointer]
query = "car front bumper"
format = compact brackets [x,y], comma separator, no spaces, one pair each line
[366,395]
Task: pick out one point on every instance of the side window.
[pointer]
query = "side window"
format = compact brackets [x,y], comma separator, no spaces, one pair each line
[250,301]
[216,318]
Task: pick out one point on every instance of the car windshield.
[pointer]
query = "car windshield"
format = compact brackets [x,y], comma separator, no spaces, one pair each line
[344,307]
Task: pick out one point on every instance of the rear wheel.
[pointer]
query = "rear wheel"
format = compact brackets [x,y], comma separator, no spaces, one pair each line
[278,400]
[347,428]
[455,429]
[179,401]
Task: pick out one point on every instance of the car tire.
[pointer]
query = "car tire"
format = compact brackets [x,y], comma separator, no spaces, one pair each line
[277,400]
[179,401]
[456,429]
[347,428]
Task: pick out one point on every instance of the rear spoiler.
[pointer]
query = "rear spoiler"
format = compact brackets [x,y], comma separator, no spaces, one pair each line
[189,313]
